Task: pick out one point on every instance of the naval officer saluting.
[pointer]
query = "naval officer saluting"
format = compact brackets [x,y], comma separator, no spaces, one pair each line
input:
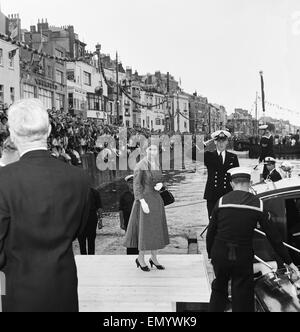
[230,244]
[218,164]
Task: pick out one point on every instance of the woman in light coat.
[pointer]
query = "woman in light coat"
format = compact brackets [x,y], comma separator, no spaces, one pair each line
[147,228]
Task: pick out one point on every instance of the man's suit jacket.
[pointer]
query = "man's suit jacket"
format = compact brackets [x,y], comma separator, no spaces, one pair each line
[44,205]
[218,182]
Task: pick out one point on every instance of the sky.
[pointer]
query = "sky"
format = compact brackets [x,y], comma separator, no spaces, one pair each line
[216,47]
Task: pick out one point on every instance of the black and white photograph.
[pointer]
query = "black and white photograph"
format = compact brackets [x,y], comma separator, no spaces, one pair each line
[149,158]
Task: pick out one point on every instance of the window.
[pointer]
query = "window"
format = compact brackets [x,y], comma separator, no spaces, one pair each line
[50,73]
[1,56]
[45,97]
[127,123]
[71,75]
[12,95]
[1,94]
[93,102]
[87,78]
[157,122]
[11,61]
[60,101]
[28,91]
[59,77]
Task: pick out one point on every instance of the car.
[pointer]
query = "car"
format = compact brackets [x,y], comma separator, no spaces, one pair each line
[276,291]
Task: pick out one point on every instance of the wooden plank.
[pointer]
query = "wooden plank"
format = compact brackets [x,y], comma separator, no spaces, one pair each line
[113,283]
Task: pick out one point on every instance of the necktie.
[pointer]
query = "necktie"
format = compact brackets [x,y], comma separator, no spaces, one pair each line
[221,158]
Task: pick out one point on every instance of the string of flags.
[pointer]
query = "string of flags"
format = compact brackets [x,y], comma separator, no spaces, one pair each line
[278,107]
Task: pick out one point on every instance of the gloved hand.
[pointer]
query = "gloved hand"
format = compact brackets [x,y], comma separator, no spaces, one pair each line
[145,206]
[158,187]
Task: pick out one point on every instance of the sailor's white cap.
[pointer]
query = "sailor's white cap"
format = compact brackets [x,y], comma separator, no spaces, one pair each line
[221,135]
[270,160]
[263,127]
[240,172]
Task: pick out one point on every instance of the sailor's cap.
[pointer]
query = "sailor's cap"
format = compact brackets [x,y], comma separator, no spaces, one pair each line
[221,135]
[270,160]
[240,172]
[263,127]
[129,178]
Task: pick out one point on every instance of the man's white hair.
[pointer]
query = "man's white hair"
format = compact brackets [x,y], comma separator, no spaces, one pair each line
[28,120]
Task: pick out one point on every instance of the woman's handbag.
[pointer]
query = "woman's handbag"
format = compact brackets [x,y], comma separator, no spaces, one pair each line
[167,197]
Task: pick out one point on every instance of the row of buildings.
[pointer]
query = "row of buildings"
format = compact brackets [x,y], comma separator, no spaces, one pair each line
[68,78]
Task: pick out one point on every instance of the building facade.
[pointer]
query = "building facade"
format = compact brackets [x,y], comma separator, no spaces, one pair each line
[241,123]
[44,77]
[199,107]
[153,115]
[9,74]
[87,93]
[180,112]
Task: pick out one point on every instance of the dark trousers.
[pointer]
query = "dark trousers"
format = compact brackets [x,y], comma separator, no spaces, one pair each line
[210,207]
[240,273]
[87,244]
[88,238]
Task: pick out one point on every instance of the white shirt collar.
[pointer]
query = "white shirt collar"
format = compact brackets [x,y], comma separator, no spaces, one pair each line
[35,149]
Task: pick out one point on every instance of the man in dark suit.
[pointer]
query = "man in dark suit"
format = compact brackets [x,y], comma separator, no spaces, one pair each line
[44,206]
[88,238]
[272,174]
[218,164]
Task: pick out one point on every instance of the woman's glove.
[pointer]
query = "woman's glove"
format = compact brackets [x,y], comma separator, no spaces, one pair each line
[145,206]
[158,187]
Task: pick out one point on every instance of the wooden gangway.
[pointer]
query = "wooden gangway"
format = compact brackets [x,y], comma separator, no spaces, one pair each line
[114,284]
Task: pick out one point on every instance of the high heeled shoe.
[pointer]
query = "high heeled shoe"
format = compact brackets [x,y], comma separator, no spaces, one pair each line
[144,269]
[159,267]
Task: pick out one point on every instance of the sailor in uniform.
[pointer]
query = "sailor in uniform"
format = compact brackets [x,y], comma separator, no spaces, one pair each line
[273,175]
[218,164]
[230,244]
[267,147]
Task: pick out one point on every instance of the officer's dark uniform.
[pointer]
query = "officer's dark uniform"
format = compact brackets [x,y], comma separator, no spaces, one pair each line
[267,148]
[218,183]
[230,246]
[274,176]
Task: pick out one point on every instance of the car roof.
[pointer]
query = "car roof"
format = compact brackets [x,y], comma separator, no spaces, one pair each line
[283,187]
